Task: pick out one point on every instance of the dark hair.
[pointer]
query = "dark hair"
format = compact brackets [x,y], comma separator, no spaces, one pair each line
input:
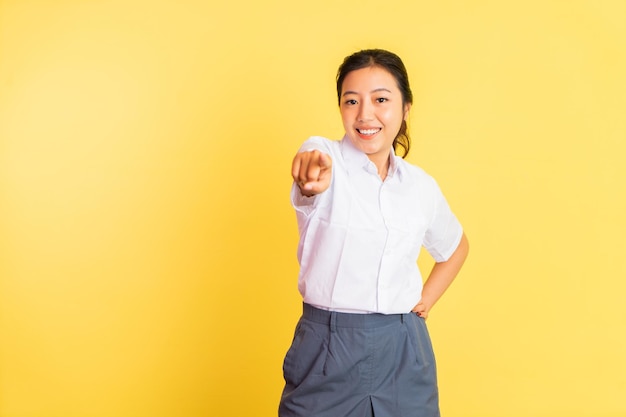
[392,63]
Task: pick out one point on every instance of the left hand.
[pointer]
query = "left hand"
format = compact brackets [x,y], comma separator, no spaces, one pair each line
[421,310]
[441,276]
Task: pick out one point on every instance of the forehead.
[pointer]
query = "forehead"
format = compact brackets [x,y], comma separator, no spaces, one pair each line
[369,79]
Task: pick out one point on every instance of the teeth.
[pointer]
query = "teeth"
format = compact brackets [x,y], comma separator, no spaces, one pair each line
[368,131]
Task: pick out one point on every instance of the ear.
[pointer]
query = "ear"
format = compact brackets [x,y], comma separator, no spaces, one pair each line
[407,107]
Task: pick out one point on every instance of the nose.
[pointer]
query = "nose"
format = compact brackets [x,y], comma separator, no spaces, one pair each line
[365,112]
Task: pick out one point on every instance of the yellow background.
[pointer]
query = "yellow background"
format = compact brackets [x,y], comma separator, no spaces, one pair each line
[147,244]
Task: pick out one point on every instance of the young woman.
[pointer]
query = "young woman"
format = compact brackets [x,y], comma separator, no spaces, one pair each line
[361,347]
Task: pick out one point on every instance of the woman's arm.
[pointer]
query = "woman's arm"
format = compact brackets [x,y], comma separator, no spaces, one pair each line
[440,278]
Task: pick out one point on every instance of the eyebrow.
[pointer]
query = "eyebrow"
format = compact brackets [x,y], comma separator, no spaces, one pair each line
[377,90]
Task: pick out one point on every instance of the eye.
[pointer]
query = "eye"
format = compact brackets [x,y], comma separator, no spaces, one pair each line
[350,102]
[381,99]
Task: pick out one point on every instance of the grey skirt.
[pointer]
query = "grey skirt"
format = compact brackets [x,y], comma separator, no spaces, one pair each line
[356,365]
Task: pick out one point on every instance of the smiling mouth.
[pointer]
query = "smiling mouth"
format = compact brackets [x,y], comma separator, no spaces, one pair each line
[368,132]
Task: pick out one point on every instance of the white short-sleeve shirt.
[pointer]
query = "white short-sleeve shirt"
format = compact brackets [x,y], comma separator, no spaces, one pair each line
[360,239]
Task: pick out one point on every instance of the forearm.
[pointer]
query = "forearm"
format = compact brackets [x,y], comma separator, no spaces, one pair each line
[442,275]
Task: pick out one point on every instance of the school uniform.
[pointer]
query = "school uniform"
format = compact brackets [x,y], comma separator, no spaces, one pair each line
[358,350]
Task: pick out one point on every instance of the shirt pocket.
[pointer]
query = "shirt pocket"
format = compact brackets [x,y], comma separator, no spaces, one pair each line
[406,233]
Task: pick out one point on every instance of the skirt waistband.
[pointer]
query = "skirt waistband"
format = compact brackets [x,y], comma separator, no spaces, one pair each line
[366,321]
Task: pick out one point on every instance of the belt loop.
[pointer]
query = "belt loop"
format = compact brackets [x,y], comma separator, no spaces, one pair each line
[333,321]
[401,318]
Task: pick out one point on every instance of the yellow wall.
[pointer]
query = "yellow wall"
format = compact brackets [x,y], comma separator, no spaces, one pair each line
[147,245]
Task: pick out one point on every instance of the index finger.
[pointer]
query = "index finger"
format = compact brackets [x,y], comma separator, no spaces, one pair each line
[295,166]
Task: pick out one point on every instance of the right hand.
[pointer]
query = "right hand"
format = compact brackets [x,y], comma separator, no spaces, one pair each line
[312,172]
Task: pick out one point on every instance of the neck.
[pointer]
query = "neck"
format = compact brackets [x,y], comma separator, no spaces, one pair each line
[382,164]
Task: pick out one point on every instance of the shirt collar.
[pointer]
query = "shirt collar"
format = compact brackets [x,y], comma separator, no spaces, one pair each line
[356,159]
[394,166]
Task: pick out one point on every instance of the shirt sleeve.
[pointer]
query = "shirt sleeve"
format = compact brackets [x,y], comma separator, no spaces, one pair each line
[445,231]
[301,202]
